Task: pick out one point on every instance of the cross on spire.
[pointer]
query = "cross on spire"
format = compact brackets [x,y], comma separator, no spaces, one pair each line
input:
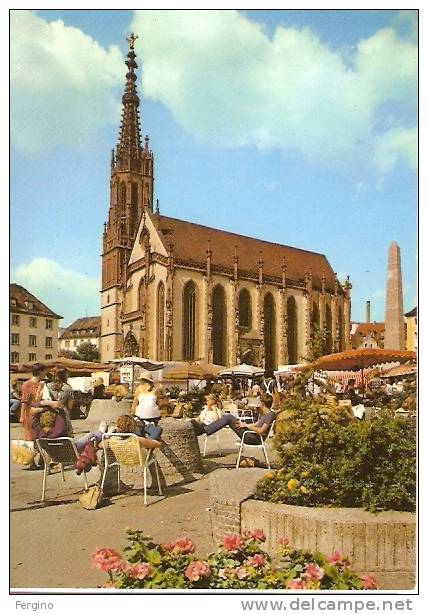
[131,40]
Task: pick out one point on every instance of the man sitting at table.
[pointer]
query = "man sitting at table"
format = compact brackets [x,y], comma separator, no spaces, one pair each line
[261,427]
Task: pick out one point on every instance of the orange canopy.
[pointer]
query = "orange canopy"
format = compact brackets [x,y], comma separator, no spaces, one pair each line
[72,365]
[192,370]
[362,358]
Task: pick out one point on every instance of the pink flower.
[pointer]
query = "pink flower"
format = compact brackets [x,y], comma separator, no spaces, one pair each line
[232,543]
[241,573]
[182,545]
[298,584]
[106,559]
[313,572]
[139,571]
[337,559]
[257,560]
[369,582]
[256,534]
[223,573]
[283,541]
[197,570]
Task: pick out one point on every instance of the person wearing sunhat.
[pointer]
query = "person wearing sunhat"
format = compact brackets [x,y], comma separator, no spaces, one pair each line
[145,408]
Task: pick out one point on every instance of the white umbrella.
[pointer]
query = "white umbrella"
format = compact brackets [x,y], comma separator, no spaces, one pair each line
[145,363]
[243,370]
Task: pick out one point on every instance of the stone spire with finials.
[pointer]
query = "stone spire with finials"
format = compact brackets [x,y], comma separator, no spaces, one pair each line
[131,181]
[128,150]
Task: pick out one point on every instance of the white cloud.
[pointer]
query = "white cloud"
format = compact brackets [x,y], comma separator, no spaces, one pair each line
[62,84]
[227,83]
[66,292]
[395,145]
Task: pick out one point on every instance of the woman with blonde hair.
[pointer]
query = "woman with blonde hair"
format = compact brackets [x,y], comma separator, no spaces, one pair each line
[145,408]
[126,424]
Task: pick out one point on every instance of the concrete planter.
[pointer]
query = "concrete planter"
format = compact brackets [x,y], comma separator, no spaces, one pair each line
[383,544]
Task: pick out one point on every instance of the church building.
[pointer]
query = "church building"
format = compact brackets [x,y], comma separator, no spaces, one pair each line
[176,290]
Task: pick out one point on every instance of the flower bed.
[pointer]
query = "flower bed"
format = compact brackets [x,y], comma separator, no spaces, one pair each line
[331,460]
[238,563]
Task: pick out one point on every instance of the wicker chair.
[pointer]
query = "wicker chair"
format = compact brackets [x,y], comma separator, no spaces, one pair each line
[124,449]
[60,451]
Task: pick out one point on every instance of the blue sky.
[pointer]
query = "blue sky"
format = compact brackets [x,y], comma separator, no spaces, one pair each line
[294,126]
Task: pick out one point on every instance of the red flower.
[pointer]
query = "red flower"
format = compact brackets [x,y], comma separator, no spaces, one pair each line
[257,560]
[138,571]
[313,572]
[298,584]
[232,543]
[106,559]
[256,534]
[283,541]
[197,570]
[337,559]
[369,582]
[182,545]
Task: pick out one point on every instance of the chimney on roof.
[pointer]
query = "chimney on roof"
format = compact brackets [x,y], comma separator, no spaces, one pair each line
[367,312]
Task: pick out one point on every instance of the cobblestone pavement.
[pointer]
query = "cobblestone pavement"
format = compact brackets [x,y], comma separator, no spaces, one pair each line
[51,542]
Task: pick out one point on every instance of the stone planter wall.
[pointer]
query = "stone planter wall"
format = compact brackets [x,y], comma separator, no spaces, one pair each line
[383,544]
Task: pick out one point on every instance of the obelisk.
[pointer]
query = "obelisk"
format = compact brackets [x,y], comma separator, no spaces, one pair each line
[394,318]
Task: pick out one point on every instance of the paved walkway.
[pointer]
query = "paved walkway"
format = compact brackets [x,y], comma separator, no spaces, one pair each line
[51,542]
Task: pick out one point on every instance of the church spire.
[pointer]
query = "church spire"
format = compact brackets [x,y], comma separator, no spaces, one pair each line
[128,150]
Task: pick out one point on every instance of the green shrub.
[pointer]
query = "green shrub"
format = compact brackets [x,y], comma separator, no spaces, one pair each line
[238,563]
[329,459]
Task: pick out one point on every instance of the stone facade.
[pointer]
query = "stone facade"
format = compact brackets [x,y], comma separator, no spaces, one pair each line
[174,290]
[33,328]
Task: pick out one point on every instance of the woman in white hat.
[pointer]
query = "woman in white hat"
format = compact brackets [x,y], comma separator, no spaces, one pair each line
[145,408]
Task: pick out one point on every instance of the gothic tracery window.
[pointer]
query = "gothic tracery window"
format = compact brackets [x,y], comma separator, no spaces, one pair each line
[269,331]
[292,334]
[219,325]
[189,321]
[244,308]
[161,321]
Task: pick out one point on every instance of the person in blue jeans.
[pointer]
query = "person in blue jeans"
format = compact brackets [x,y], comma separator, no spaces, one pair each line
[261,427]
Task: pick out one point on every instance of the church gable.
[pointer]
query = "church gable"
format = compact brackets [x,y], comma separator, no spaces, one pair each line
[147,227]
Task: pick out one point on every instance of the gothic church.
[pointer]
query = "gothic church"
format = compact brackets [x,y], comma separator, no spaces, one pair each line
[175,290]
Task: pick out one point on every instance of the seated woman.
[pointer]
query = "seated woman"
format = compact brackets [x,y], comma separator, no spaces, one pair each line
[126,424]
[261,427]
[51,424]
[145,408]
[211,411]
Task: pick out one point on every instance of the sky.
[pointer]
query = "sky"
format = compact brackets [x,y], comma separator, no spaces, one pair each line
[293,126]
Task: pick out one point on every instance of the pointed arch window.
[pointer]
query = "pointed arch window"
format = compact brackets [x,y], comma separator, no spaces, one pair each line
[244,308]
[189,321]
[160,321]
[292,334]
[122,193]
[219,325]
[269,331]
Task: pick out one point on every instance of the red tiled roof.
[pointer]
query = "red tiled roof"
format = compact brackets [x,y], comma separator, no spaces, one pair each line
[83,325]
[370,327]
[190,243]
[19,298]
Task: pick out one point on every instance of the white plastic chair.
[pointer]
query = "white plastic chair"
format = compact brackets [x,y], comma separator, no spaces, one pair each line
[242,445]
[125,449]
[206,441]
[60,451]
